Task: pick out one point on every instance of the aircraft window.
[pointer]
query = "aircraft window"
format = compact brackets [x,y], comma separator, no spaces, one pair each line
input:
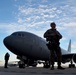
[22,35]
[14,34]
[19,34]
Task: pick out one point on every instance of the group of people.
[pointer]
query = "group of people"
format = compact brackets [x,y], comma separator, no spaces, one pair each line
[52,37]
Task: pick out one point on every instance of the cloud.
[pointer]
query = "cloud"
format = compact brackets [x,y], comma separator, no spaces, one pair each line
[42,11]
[71,29]
[70,24]
[10,28]
[74,45]
[20,20]
[38,16]
[44,1]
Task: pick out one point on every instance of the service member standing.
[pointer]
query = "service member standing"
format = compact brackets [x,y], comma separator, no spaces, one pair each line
[53,37]
[6,57]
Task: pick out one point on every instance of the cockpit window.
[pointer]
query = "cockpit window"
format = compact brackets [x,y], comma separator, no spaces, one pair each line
[23,35]
[18,34]
[14,34]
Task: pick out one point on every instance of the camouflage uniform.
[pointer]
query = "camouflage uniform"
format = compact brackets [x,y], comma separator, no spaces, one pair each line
[53,45]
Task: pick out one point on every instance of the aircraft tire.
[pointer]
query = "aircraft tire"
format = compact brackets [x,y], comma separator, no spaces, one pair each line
[46,66]
[21,66]
[71,65]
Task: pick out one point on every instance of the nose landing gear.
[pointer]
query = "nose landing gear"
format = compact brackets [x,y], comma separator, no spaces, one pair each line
[71,65]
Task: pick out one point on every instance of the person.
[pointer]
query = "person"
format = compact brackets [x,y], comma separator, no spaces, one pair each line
[6,57]
[53,37]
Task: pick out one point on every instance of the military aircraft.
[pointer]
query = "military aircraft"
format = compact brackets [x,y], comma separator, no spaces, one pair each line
[31,49]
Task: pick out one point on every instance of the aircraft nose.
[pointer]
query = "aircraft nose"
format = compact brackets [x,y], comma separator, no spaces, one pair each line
[7,42]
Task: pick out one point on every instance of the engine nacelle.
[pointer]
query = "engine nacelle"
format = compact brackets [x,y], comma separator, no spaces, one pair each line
[74,58]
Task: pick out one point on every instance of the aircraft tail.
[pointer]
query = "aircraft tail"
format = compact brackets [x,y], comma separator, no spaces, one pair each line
[69,47]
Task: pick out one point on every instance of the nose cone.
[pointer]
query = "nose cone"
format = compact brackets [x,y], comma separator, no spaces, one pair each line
[10,44]
[6,42]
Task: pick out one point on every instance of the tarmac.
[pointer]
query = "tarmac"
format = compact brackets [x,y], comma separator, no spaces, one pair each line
[36,71]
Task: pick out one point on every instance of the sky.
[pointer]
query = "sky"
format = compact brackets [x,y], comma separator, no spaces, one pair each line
[35,16]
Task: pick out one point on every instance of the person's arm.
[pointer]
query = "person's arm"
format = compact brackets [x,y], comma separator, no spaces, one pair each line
[58,34]
[46,34]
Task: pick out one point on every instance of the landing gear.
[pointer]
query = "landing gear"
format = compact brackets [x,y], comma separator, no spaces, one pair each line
[46,64]
[71,65]
[21,64]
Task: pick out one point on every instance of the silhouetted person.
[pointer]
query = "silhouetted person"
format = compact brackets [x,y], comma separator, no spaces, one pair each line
[6,57]
[53,37]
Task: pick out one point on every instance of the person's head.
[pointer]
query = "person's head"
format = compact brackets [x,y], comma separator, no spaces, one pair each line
[53,25]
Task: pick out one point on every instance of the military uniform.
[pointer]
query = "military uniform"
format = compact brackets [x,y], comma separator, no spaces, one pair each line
[53,37]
